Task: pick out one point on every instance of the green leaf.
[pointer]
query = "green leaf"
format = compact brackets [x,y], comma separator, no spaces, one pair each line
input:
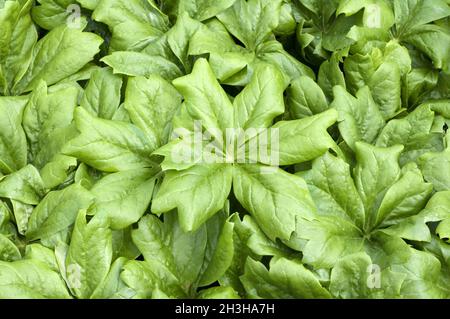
[241,251]
[8,251]
[305,98]
[43,254]
[272,52]
[52,13]
[441,106]
[261,100]
[83,74]
[275,199]
[102,94]
[336,37]
[219,251]
[55,57]
[398,54]
[321,7]
[57,171]
[359,118]
[218,293]
[125,125]
[329,76]
[413,13]
[418,83]
[367,38]
[198,193]
[415,227]
[18,38]
[249,241]
[87,176]
[205,99]
[57,211]
[89,4]
[112,287]
[385,85]
[22,213]
[443,230]
[147,280]
[123,246]
[333,189]
[358,69]
[62,237]
[122,198]
[376,171]
[252,22]
[305,139]
[89,256]
[382,73]
[404,198]
[226,58]
[356,276]
[30,279]
[47,121]
[141,64]
[25,185]
[351,215]
[412,131]
[257,241]
[287,24]
[435,169]
[151,103]
[422,270]
[329,238]
[13,143]
[176,256]
[180,35]
[109,146]
[122,16]
[377,14]
[434,41]
[286,279]
[200,9]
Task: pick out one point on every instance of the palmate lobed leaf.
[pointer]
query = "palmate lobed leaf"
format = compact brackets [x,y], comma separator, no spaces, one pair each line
[390,207]
[204,100]
[109,145]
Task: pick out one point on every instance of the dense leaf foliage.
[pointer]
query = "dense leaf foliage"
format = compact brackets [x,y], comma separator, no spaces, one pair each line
[116,176]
